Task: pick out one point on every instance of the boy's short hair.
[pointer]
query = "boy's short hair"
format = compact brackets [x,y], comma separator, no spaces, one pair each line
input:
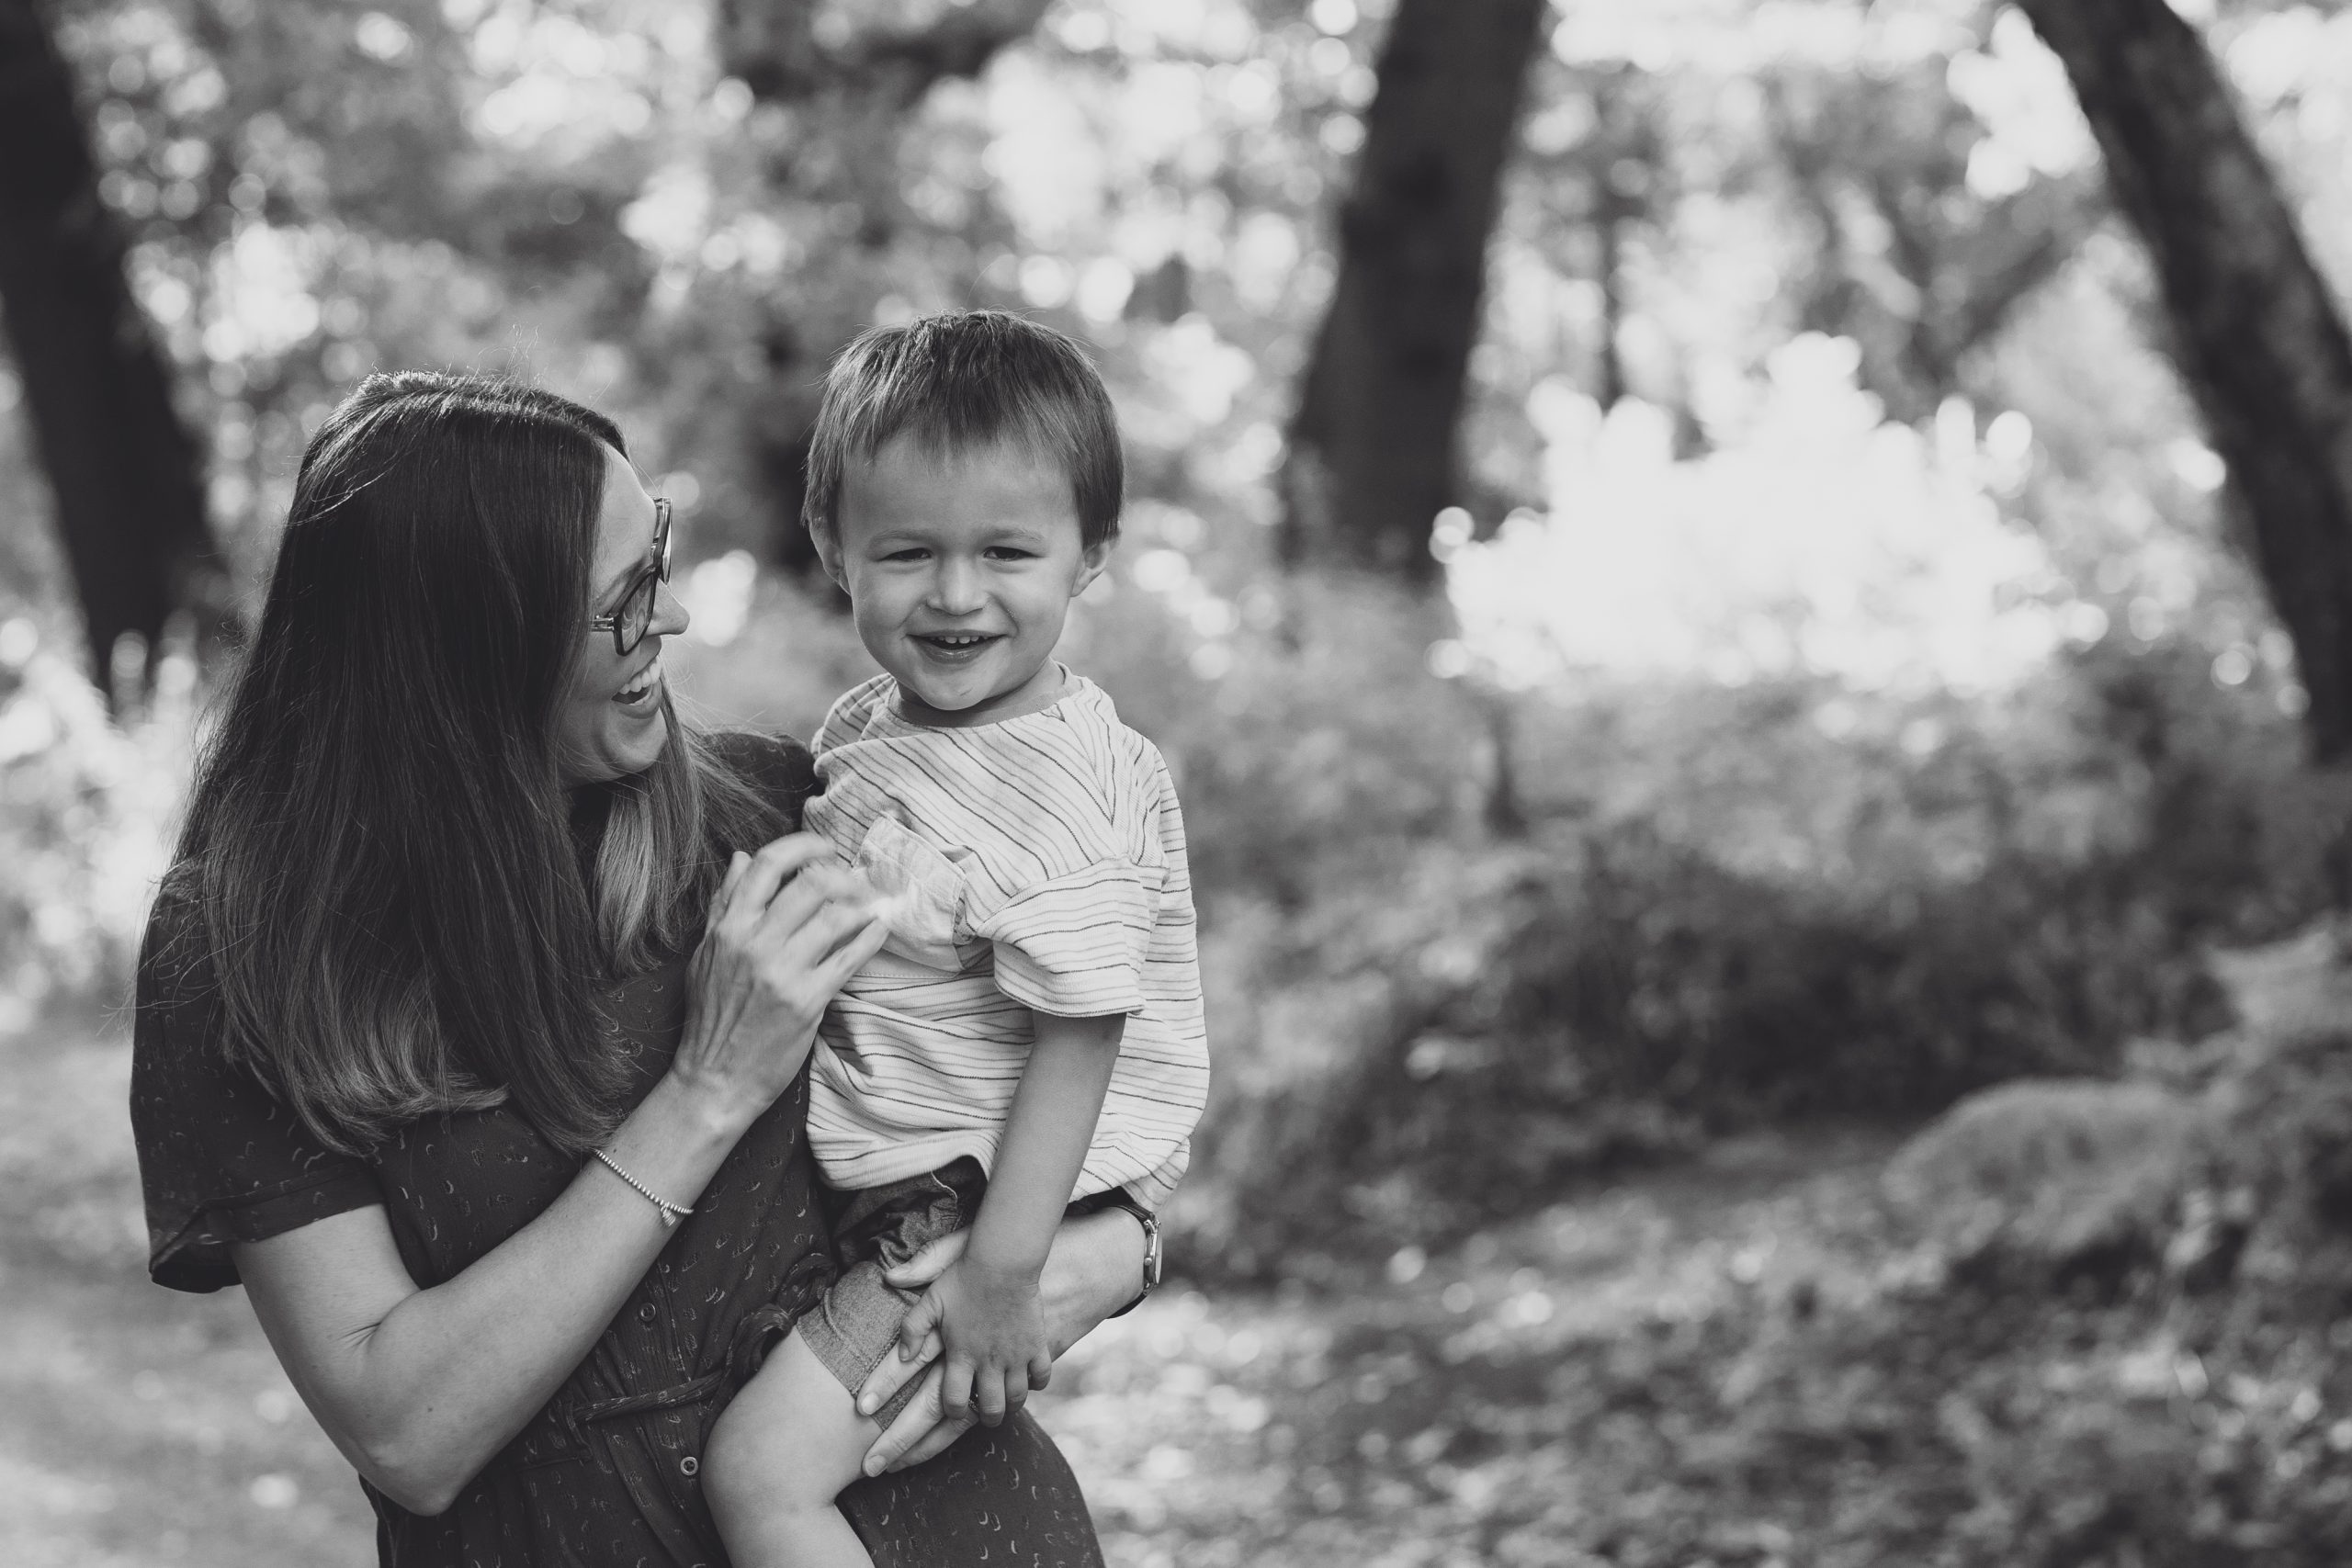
[963,379]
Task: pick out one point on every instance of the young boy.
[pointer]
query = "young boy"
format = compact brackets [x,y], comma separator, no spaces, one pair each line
[1032,1033]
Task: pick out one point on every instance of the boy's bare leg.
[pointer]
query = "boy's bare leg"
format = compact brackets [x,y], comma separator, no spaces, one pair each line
[779,1456]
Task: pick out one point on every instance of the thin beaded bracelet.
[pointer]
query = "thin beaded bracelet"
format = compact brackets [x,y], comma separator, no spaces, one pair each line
[671,1212]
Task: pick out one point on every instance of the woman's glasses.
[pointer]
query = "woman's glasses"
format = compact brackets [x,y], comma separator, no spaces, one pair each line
[634,613]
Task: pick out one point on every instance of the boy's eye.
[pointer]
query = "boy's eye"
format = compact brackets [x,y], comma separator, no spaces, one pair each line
[912,552]
[1010,552]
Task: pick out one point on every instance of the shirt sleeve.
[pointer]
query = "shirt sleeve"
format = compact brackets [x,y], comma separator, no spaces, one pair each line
[222,1159]
[1074,945]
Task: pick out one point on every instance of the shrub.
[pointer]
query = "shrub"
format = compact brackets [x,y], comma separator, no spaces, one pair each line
[1722,913]
[2054,1175]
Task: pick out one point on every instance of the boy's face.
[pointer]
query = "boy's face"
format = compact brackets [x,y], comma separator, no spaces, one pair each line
[960,567]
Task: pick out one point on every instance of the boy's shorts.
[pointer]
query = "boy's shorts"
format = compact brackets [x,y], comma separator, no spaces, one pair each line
[880,1227]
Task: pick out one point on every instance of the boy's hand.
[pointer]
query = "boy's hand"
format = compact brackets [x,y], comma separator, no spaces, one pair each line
[994,1329]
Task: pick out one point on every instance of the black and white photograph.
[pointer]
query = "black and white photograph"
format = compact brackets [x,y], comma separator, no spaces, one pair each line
[1176,784]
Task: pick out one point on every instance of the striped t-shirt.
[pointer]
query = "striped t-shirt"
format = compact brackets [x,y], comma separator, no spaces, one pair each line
[1035,864]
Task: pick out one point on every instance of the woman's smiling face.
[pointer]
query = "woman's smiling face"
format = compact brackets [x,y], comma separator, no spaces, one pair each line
[612,723]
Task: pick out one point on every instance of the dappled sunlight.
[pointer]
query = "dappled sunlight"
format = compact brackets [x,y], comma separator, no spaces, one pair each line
[86,822]
[1812,538]
[1837,693]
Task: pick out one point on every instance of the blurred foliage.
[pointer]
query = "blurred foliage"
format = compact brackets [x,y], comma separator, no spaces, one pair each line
[1628,847]
[2096,1324]
[1740,919]
[1495,890]
[85,811]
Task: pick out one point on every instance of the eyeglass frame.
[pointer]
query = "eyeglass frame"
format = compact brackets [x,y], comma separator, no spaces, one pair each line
[646,579]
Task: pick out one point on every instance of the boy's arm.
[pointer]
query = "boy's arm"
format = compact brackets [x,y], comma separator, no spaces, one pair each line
[1046,1134]
[986,1305]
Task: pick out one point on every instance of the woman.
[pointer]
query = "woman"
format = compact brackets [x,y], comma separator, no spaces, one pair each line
[518,1191]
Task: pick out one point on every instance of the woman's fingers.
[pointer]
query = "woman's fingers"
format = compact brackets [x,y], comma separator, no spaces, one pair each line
[932,1442]
[930,1263]
[918,1432]
[777,863]
[808,967]
[789,925]
[869,933]
[894,1372]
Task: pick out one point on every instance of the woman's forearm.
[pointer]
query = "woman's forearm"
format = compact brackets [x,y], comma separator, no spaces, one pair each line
[420,1388]
[1094,1269]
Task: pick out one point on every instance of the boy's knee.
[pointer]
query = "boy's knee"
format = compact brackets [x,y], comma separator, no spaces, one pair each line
[771,1448]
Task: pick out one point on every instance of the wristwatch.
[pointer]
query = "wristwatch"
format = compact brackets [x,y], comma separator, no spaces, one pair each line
[1120,1198]
[1151,1255]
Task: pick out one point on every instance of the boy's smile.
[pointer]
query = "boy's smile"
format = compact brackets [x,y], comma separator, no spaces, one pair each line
[960,567]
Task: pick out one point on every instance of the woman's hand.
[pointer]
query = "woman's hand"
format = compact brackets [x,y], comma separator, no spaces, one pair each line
[790,925]
[1094,1269]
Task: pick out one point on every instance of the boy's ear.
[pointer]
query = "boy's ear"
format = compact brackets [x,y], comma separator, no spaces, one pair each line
[828,541]
[1091,562]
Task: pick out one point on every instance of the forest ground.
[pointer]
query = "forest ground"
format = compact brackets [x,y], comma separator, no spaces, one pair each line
[1537,1396]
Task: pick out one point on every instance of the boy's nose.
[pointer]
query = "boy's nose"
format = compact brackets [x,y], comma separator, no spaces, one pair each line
[956,589]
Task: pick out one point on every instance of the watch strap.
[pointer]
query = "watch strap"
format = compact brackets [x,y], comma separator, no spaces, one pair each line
[1120,1198]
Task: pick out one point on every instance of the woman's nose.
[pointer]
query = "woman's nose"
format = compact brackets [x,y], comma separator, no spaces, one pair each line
[670,617]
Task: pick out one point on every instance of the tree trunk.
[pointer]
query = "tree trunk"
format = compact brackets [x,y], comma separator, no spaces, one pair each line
[2255,330]
[125,473]
[1374,448]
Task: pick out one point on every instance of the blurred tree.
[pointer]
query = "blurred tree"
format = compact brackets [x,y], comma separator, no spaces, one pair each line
[855,75]
[311,191]
[797,51]
[1374,446]
[128,490]
[1592,189]
[1908,260]
[1620,189]
[2255,330]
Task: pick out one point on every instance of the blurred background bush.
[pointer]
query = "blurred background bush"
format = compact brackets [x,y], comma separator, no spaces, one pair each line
[1836,687]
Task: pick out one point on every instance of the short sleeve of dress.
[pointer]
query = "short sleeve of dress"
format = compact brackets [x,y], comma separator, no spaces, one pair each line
[222,1159]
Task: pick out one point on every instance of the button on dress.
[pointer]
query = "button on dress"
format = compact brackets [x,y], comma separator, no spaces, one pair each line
[609,1472]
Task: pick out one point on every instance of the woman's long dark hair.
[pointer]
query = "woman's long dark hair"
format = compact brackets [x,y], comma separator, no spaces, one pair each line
[379,844]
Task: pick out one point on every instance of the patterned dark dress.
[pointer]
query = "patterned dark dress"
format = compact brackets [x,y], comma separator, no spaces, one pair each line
[607,1475]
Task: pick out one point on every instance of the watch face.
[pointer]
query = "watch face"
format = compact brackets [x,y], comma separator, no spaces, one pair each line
[1151,1255]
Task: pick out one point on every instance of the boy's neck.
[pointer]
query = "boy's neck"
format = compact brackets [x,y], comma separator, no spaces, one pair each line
[1037,693]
